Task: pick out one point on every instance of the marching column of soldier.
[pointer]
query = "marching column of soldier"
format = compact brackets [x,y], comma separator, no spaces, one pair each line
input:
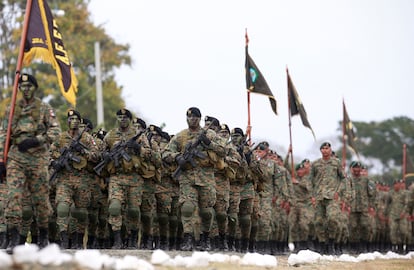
[204,188]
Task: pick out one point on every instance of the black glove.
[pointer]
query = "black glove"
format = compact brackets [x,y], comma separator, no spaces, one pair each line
[204,139]
[248,157]
[180,161]
[79,148]
[134,146]
[27,144]
[2,171]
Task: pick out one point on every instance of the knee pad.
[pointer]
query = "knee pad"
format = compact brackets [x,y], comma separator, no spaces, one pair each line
[207,213]
[62,210]
[162,218]
[187,209]
[114,208]
[134,213]
[81,214]
[245,221]
[27,213]
[221,217]
[233,219]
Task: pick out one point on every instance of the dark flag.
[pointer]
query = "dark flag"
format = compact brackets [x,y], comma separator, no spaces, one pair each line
[295,104]
[44,41]
[255,82]
[409,170]
[349,129]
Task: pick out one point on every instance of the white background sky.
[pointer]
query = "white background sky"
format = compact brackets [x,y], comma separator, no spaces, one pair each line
[191,53]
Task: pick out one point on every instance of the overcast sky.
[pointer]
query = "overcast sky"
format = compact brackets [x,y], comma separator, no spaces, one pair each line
[191,53]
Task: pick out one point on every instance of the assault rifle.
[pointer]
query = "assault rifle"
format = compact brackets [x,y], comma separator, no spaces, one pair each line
[116,154]
[67,154]
[190,152]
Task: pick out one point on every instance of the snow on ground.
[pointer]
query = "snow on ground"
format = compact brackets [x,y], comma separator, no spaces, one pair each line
[94,259]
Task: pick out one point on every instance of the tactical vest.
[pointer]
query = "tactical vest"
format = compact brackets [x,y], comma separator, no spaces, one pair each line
[27,122]
[64,141]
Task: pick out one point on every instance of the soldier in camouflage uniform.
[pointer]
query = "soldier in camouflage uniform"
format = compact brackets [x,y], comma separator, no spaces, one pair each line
[301,213]
[163,193]
[197,184]
[363,202]
[73,183]
[152,176]
[398,214]
[102,231]
[34,127]
[326,176]
[228,194]
[126,181]
[383,230]
[236,188]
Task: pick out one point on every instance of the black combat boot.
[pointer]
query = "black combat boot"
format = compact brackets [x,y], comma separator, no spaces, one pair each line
[205,242]
[330,247]
[252,246]
[171,243]
[163,243]
[187,243]
[133,240]
[231,244]
[91,244]
[156,242]
[244,245]
[64,240]
[3,240]
[43,237]
[14,240]
[117,240]
[223,246]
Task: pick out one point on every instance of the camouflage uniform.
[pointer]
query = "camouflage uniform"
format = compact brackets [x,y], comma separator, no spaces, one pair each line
[197,184]
[73,185]
[3,226]
[126,181]
[301,213]
[383,230]
[326,176]
[398,212]
[36,122]
[363,198]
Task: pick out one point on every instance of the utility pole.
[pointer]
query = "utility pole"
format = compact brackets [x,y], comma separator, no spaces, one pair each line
[99,98]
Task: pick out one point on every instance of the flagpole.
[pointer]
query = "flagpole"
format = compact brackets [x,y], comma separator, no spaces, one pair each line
[249,127]
[404,164]
[343,136]
[16,77]
[292,170]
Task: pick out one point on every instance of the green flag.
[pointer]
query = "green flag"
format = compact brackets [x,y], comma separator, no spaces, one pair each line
[295,104]
[256,83]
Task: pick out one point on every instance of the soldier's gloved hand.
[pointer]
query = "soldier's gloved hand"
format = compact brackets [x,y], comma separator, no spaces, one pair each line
[180,161]
[2,171]
[204,139]
[27,144]
[78,148]
[135,146]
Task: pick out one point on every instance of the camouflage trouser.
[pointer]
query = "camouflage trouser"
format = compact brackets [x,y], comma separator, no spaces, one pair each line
[265,218]
[148,206]
[280,223]
[233,211]
[255,217]
[29,173]
[3,201]
[95,205]
[247,197]
[125,194]
[326,219]
[199,198]
[300,217]
[359,226]
[342,235]
[72,189]
[399,233]
[163,211]
[222,204]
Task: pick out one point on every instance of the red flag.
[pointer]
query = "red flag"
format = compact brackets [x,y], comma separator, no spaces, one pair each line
[44,41]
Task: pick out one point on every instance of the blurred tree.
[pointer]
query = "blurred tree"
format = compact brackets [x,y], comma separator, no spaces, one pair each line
[79,35]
